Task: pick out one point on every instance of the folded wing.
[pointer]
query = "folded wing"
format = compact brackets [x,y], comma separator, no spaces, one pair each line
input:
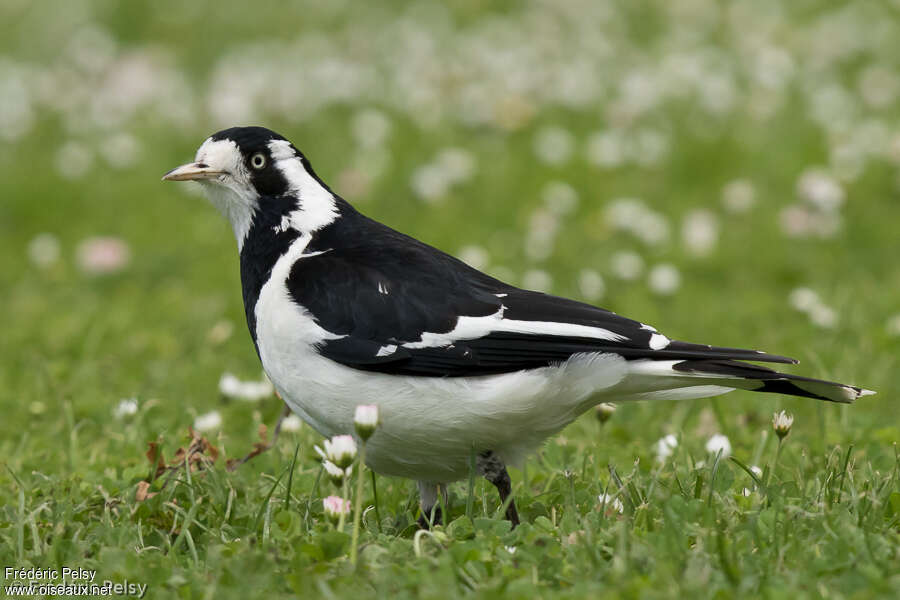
[408,309]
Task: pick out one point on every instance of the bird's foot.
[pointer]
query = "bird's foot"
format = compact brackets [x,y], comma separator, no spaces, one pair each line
[430,496]
[428,519]
[493,469]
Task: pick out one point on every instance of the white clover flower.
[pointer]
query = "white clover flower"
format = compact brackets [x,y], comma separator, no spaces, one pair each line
[542,229]
[553,145]
[335,473]
[795,220]
[366,420]
[125,408]
[371,128]
[341,450]
[474,256]
[782,423]
[537,279]
[801,221]
[718,443]
[604,411]
[665,446]
[511,549]
[700,232]
[633,216]
[823,316]
[539,246]
[43,250]
[208,421]
[335,507]
[738,196]
[652,228]
[457,164]
[560,198]
[623,213]
[627,265]
[229,384]
[804,299]
[640,90]
[893,325]
[664,279]
[606,149]
[543,223]
[430,182]
[220,332]
[807,300]
[756,470]
[820,189]
[291,423]
[251,391]
[591,284]
[879,86]
[611,503]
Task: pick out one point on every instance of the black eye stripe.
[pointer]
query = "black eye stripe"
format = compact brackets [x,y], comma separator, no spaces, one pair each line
[265,177]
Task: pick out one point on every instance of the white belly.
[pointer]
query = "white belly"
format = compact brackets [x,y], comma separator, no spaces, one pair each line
[430,425]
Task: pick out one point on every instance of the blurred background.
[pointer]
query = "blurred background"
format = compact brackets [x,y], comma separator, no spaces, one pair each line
[727,171]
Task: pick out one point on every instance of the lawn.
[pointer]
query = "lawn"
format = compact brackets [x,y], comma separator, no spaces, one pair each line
[727,171]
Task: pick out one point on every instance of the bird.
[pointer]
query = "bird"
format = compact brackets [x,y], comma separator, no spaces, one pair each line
[344,311]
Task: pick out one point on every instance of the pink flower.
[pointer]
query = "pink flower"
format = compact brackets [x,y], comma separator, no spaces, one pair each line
[102,255]
[335,506]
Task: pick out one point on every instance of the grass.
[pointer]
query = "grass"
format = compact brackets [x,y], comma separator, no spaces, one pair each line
[823,522]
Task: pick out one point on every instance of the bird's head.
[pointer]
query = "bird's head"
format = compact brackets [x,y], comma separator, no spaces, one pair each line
[252,171]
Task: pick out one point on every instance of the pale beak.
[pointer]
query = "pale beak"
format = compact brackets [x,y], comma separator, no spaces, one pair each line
[194,171]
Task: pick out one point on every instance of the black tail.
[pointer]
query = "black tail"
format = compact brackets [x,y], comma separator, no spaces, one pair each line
[732,373]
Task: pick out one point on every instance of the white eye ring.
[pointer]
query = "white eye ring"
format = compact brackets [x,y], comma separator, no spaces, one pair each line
[258,161]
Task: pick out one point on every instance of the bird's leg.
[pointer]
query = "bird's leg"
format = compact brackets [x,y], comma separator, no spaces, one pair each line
[260,447]
[285,413]
[493,469]
[428,501]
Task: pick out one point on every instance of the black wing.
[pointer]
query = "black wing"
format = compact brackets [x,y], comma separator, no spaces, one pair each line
[403,307]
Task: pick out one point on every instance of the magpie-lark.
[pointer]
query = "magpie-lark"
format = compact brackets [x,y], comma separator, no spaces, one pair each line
[345,311]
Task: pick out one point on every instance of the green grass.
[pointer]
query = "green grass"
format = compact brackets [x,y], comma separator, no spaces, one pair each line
[823,522]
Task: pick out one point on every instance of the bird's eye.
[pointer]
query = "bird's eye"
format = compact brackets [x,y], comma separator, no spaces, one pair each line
[258,161]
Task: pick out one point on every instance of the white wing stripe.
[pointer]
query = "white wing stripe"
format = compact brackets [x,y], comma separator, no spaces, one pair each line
[469,328]
[658,341]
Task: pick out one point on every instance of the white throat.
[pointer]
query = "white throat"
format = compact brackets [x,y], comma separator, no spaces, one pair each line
[235,206]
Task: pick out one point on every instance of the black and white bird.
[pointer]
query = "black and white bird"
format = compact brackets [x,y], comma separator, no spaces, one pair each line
[346,311]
